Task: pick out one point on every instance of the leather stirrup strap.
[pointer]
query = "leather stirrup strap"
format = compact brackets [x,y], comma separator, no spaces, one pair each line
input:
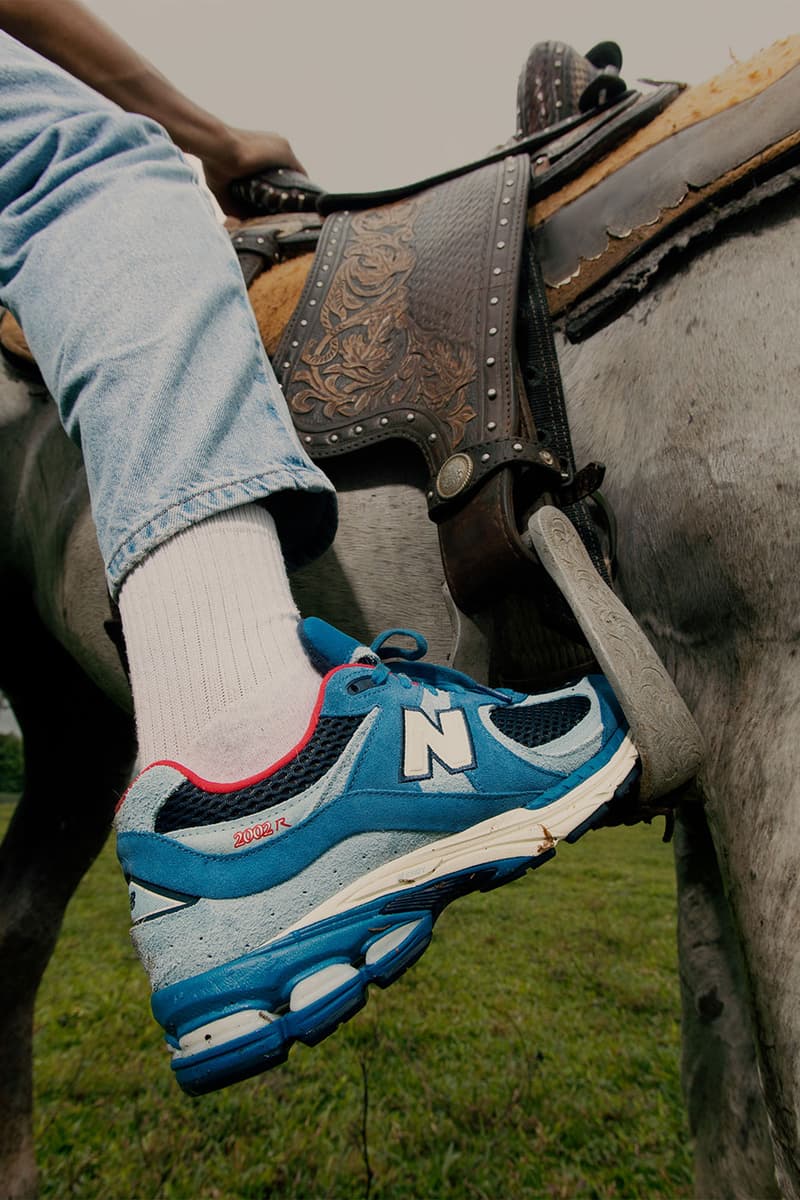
[482,549]
[541,376]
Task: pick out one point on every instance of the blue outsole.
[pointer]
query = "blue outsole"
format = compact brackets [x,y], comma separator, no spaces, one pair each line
[201,1000]
[250,1055]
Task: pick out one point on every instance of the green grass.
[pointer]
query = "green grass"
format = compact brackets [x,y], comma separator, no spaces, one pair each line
[11,763]
[533,1052]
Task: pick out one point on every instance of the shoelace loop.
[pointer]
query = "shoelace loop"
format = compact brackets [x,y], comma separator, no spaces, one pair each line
[421,674]
[384,651]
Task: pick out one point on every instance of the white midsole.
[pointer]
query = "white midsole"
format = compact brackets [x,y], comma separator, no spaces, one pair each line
[518,833]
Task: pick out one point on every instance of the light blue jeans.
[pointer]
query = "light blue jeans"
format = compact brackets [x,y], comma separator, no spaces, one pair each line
[133,304]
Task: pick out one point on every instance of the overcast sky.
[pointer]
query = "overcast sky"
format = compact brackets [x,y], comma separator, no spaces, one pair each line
[376,94]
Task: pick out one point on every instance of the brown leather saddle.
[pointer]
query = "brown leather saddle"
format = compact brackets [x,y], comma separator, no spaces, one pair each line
[426,313]
[424,318]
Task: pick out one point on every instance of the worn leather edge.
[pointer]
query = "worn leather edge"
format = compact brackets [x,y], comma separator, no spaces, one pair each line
[606,222]
[679,243]
[594,272]
[740,82]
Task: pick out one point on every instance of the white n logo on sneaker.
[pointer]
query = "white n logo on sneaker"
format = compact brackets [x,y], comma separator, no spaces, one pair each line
[447,739]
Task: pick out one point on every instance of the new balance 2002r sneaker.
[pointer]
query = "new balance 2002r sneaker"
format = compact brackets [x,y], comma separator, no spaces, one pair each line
[262,909]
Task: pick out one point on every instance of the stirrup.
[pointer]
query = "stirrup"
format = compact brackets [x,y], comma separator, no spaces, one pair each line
[666,734]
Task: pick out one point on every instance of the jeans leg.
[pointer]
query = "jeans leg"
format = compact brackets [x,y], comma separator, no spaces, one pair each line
[133,304]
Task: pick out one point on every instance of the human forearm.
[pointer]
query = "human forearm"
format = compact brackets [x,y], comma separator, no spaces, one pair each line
[67,33]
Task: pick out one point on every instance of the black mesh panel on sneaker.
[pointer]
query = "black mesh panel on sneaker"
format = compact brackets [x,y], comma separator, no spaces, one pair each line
[534,724]
[190,806]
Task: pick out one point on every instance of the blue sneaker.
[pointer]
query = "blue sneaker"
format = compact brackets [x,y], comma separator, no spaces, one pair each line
[263,909]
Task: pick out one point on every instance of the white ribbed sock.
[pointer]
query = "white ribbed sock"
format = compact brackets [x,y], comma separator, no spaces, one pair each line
[221,682]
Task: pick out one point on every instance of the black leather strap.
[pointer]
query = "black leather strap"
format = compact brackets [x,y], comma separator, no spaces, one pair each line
[262,244]
[559,152]
[541,376]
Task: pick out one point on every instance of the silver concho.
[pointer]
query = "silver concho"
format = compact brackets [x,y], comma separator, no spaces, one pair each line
[454,475]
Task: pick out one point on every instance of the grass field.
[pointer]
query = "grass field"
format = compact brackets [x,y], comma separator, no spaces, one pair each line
[533,1052]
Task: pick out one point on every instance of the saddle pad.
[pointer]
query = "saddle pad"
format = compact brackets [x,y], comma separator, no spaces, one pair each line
[716,137]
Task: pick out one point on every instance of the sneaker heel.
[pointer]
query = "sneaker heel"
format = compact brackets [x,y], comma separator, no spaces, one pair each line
[323,1001]
[392,953]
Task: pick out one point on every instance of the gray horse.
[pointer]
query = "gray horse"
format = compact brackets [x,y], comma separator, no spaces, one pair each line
[689,398]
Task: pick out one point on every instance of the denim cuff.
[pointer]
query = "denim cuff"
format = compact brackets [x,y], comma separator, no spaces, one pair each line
[301,499]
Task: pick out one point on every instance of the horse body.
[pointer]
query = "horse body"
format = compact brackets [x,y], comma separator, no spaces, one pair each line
[688,398]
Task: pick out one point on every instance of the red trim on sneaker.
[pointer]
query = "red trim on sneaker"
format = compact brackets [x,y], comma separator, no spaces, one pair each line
[209,786]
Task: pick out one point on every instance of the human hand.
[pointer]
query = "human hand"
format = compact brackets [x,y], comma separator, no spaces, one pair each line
[241,153]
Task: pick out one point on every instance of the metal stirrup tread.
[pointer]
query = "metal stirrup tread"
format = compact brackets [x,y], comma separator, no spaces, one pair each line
[669,742]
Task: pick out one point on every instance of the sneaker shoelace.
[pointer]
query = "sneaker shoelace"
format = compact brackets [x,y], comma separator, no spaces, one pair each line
[403,664]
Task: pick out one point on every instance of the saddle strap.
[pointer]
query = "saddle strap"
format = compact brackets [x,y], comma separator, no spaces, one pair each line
[561,152]
[482,549]
[541,375]
[272,240]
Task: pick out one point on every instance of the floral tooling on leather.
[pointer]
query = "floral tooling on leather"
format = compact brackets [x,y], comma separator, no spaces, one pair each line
[373,355]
